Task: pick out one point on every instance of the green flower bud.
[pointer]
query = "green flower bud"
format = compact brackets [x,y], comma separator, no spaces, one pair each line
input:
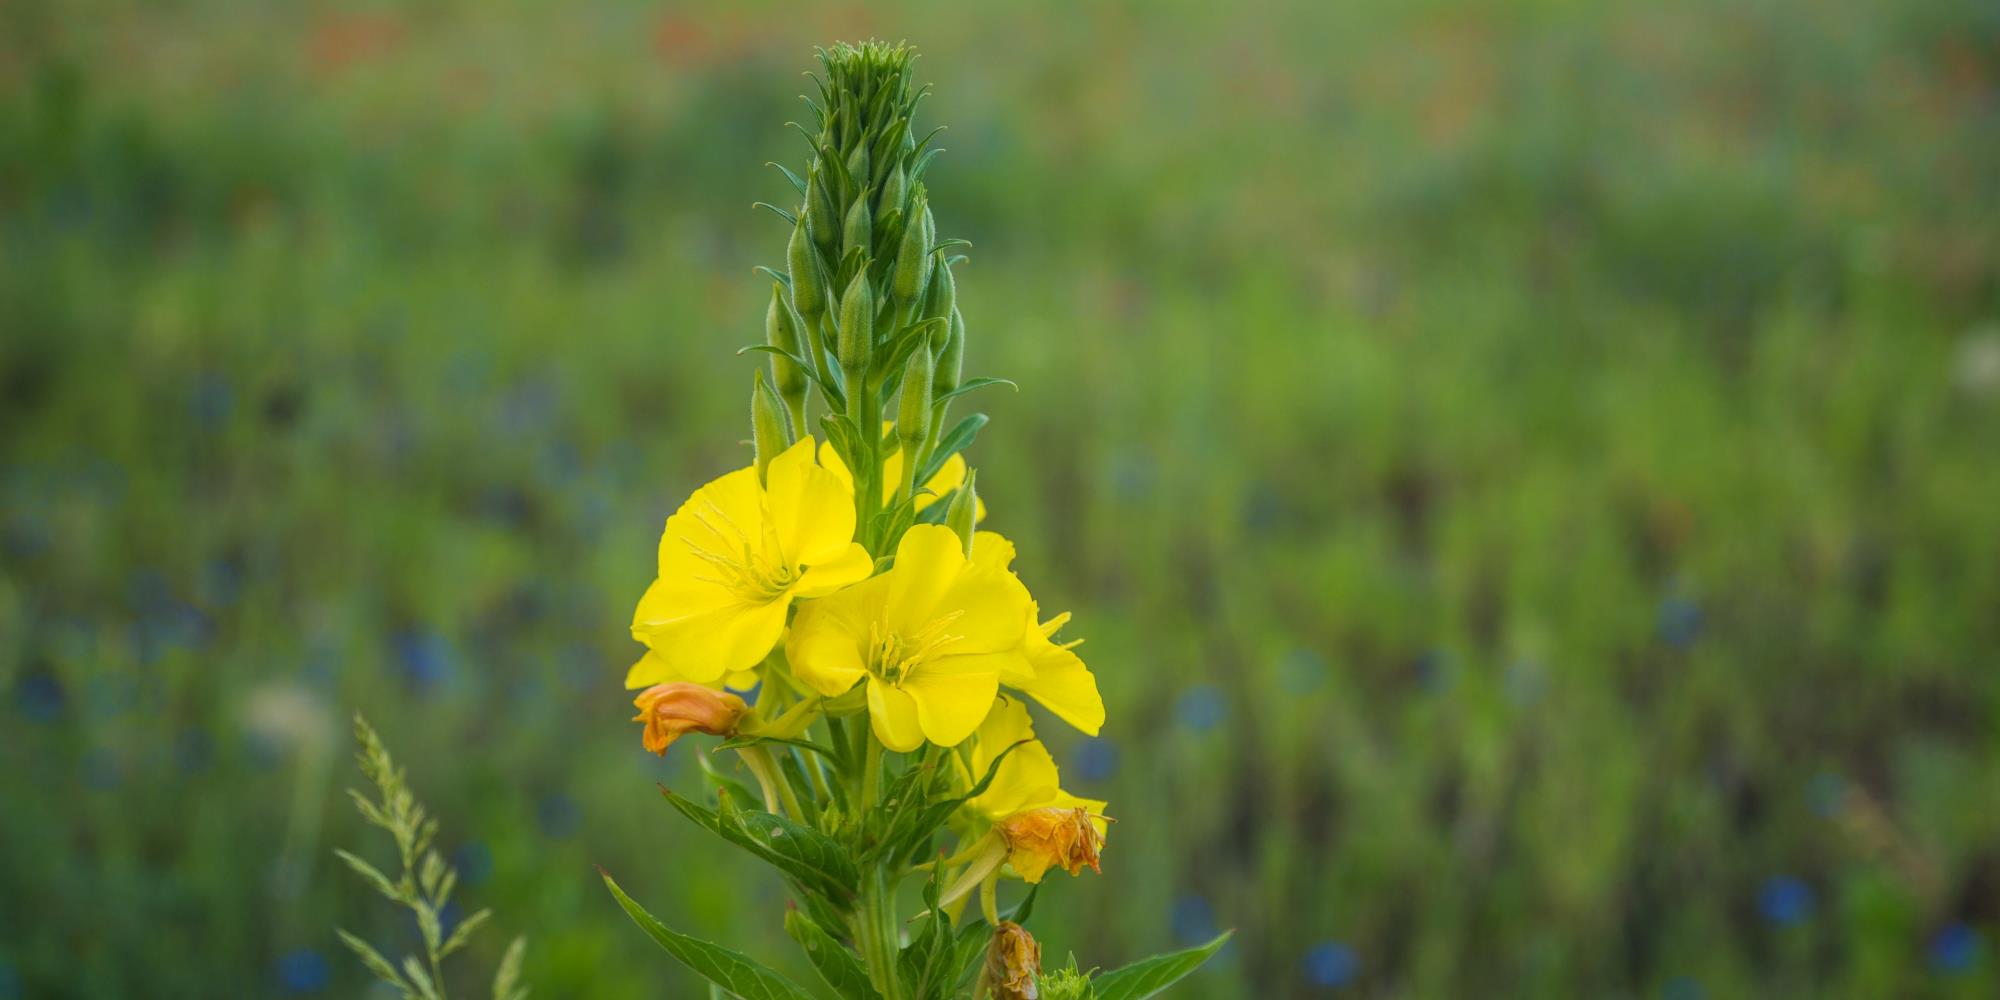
[785,330]
[860,228]
[913,413]
[821,217]
[857,326]
[942,297]
[962,515]
[913,256]
[951,358]
[857,165]
[894,190]
[808,283]
[770,432]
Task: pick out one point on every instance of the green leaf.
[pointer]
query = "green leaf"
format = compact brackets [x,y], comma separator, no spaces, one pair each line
[810,857]
[975,383]
[1151,976]
[739,742]
[836,965]
[734,971]
[929,962]
[373,959]
[371,874]
[804,366]
[507,979]
[463,932]
[796,180]
[790,219]
[954,440]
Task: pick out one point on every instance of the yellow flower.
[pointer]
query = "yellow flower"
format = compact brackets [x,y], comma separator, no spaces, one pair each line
[1048,672]
[950,476]
[1027,778]
[671,711]
[930,637]
[733,558]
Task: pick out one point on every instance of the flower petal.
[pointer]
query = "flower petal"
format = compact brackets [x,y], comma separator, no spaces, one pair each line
[952,694]
[812,509]
[894,714]
[706,646]
[929,560]
[852,565]
[825,647]
[1063,684]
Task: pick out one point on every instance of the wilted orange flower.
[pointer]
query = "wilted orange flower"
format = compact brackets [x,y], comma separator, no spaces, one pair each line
[1013,963]
[1060,836]
[671,711]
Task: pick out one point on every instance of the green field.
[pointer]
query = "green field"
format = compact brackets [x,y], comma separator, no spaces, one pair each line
[1528,474]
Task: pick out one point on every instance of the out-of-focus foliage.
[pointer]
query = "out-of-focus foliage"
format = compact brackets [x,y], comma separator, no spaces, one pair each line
[1532,473]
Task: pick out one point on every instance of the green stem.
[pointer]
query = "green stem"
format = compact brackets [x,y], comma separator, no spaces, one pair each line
[876,933]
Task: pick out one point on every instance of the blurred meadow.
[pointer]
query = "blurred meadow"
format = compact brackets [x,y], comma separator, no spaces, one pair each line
[1528,474]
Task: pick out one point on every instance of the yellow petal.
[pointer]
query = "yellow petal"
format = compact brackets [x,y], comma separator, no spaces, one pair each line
[706,646]
[811,508]
[826,647]
[992,550]
[1062,683]
[990,606]
[720,517]
[894,714]
[928,561]
[952,694]
[1026,777]
[852,565]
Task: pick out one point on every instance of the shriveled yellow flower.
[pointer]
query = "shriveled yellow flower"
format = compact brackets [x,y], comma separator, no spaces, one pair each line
[1057,836]
[732,560]
[671,711]
[930,637]
[950,475]
[1050,673]
[1013,963]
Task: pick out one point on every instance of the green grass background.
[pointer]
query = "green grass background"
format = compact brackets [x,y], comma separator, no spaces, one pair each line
[1529,474]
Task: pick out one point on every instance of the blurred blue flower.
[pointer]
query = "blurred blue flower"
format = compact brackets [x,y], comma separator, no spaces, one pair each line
[1132,476]
[193,750]
[39,696]
[1202,707]
[211,399]
[1785,900]
[303,971]
[1433,670]
[1094,759]
[1682,988]
[1679,622]
[1194,920]
[10,981]
[27,535]
[426,657]
[221,581]
[473,861]
[1826,794]
[1301,671]
[1330,964]
[558,815]
[1955,949]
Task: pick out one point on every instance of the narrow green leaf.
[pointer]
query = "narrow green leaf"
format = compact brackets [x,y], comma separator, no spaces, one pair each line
[371,874]
[812,858]
[1151,976]
[797,181]
[975,383]
[954,440]
[733,971]
[463,932]
[373,959]
[507,979]
[836,965]
[790,219]
[419,979]
[739,742]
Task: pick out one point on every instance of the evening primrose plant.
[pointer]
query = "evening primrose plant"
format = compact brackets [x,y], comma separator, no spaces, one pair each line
[888,769]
